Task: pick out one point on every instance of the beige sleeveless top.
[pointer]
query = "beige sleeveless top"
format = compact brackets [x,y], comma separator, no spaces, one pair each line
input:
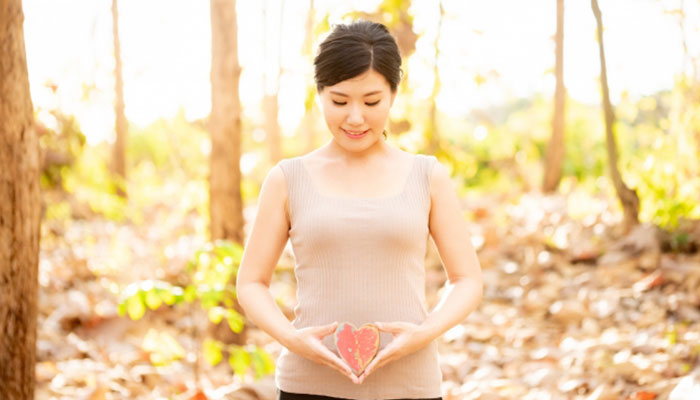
[360,260]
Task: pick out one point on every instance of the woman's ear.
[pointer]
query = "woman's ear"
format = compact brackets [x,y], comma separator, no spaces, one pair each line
[393,96]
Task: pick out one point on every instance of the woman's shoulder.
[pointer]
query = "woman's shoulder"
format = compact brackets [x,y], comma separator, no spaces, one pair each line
[429,158]
[288,165]
[426,161]
[405,153]
[306,158]
[276,179]
[290,169]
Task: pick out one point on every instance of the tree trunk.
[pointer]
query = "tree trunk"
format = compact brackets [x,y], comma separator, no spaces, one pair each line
[433,131]
[225,202]
[555,152]
[272,127]
[627,196]
[308,121]
[273,135]
[119,158]
[19,212]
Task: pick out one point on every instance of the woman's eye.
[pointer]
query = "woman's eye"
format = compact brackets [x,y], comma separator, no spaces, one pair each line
[337,103]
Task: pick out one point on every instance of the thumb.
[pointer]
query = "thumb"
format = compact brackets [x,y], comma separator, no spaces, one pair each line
[326,329]
[391,327]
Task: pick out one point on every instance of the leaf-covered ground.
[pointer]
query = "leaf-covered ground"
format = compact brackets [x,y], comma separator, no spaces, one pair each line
[573,309]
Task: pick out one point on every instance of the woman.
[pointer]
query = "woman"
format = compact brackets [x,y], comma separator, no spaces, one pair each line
[358,212]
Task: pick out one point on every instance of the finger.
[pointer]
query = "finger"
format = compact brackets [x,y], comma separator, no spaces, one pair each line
[339,368]
[348,374]
[385,355]
[391,327]
[345,369]
[372,365]
[329,356]
[326,330]
[384,361]
[337,363]
[355,379]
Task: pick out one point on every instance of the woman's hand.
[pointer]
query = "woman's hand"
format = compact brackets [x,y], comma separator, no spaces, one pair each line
[408,337]
[308,344]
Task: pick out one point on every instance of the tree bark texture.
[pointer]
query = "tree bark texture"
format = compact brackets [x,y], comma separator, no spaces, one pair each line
[555,151]
[225,201]
[307,124]
[273,132]
[119,150]
[225,126]
[19,212]
[433,129]
[627,196]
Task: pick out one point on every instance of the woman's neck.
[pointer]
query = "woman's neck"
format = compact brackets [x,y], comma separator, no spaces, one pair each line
[379,149]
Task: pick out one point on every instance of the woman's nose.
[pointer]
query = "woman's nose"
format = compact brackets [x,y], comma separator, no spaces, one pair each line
[355,116]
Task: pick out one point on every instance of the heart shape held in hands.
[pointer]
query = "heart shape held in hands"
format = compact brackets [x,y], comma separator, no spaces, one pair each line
[357,346]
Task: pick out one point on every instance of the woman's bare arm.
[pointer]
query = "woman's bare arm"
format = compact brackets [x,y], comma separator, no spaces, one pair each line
[449,231]
[262,252]
[267,239]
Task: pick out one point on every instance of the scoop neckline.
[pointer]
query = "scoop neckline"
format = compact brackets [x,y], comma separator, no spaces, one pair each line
[407,180]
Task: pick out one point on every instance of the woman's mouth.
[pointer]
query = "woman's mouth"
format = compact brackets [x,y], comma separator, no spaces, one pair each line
[355,135]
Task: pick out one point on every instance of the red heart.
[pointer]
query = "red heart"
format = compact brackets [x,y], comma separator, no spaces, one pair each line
[357,346]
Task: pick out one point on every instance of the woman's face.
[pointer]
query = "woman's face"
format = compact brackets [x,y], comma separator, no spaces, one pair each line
[356,109]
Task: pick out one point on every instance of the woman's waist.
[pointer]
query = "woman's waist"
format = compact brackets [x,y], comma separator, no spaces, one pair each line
[316,312]
[417,373]
[420,367]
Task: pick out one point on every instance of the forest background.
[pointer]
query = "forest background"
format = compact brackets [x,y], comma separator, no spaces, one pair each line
[575,158]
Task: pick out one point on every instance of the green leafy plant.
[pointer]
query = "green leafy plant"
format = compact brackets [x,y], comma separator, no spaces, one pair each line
[61,142]
[660,160]
[210,270]
[90,181]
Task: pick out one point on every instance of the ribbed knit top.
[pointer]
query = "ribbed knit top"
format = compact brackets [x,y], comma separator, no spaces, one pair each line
[360,260]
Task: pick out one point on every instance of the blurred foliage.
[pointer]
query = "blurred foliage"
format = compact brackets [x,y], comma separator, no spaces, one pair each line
[91,181]
[210,272]
[495,149]
[501,148]
[660,135]
[173,147]
[170,159]
[67,164]
[59,145]
[658,157]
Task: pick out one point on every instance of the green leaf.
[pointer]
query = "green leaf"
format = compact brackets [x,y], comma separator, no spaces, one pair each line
[239,360]
[167,296]
[216,314]
[163,349]
[212,351]
[268,363]
[258,364]
[153,300]
[135,307]
[191,264]
[190,293]
[235,321]
[226,248]
[209,295]
[121,309]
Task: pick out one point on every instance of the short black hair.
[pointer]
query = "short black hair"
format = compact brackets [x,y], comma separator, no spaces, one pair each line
[352,49]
